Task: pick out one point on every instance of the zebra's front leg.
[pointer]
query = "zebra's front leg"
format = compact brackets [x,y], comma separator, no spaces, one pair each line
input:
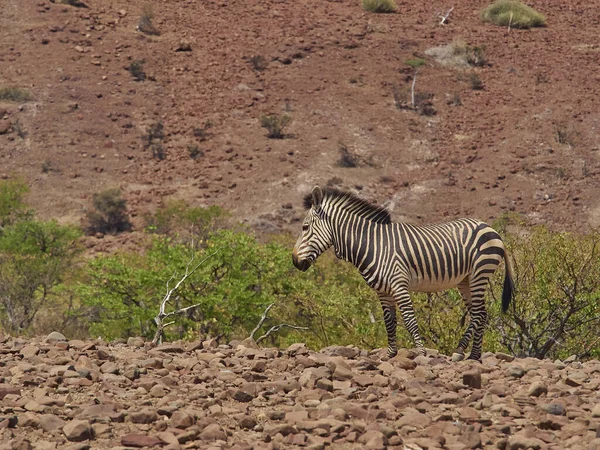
[408,315]
[388,305]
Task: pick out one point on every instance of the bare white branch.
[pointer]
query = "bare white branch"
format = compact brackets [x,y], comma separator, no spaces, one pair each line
[445,17]
[262,320]
[189,271]
[276,328]
[412,92]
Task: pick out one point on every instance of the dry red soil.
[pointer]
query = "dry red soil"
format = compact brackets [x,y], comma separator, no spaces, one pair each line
[333,68]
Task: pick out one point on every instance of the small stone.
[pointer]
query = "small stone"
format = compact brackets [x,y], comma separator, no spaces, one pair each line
[596,411]
[555,409]
[213,432]
[181,419]
[536,389]
[145,415]
[184,46]
[6,389]
[472,378]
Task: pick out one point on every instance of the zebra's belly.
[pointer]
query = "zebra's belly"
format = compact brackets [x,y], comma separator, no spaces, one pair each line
[433,286]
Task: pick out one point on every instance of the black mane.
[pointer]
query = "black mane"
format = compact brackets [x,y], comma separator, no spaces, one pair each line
[347,200]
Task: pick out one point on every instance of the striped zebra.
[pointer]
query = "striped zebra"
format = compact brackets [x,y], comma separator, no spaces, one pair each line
[398,258]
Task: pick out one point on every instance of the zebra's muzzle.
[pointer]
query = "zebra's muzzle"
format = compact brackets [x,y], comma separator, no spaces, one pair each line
[302,265]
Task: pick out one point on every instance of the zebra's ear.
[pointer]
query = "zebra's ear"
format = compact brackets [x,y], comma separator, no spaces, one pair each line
[317,197]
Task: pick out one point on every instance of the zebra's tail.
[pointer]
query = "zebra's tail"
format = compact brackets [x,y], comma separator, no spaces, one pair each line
[509,285]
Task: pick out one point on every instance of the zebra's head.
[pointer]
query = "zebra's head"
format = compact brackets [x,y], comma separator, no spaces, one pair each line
[316,236]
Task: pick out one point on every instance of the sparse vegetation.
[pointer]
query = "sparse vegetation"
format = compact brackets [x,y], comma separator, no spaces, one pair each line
[14,94]
[456,100]
[109,214]
[145,24]
[136,68]
[415,63]
[18,127]
[513,14]
[475,82]
[423,101]
[379,6]
[275,124]
[202,132]
[347,159]
[153,140]
[459,54]
[259,63]
[12,207]
[194,151]
[565,136]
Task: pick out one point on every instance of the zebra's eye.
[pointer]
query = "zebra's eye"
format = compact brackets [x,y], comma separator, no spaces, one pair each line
[305,227]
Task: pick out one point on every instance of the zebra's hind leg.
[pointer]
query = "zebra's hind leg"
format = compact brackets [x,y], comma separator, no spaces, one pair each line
[408,315]
[465,291]
[389,318]
[478,315]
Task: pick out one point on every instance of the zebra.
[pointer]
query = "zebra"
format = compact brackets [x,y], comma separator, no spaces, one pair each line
[396,258]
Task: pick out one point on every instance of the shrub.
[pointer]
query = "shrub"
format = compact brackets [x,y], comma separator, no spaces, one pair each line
[136,69]
[153,140]
[415,62]
[379,6]
[203,133]
[35,257]
[178,220]
[194,151]
[259,63]
[13,94]
[459,54]
[109,214]
[513,13]
[75,3]
[475,82]
[12,207]
[145,24]
[275,124]
[347,159]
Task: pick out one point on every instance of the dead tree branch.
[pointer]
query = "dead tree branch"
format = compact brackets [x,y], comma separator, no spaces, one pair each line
[412,91]
[445,17]
[274,328]
[162,315]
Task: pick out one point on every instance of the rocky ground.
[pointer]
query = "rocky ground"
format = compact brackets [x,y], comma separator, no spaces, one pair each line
[59,394]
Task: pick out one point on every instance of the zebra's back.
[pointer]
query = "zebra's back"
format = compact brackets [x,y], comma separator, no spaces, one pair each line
[440,256]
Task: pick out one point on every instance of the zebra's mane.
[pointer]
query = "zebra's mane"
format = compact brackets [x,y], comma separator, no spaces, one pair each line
[356,205]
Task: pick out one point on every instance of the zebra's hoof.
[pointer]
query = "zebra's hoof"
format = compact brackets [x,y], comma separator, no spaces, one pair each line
[457,357]
[473,358]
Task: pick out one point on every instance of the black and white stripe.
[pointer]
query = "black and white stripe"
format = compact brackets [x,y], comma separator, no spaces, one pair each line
[397,258]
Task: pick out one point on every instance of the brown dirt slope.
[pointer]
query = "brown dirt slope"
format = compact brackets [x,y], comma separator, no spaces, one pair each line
[58,394]
[334,68]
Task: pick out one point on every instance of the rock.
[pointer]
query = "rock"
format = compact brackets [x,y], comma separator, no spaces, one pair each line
[556,409]
[78,430]
[5,126]
[54,337]
[517,442]
[145,415]
[6,389]
[184,46]
[537,388]
[515,371]
[596,410]
[140,440]
[472,378]
[50,422]
[181,419]
[504,357]
[212,432]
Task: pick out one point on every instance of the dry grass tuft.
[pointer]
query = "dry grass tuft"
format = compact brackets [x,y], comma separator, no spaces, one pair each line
[379,6]
[514,14]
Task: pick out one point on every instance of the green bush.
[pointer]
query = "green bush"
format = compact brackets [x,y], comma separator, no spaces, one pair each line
[515,13]
[379,6]
[109,214]
[35,257]
[12,207]
[275,124]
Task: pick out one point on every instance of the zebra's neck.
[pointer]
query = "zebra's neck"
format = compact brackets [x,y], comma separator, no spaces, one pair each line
[351,237]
